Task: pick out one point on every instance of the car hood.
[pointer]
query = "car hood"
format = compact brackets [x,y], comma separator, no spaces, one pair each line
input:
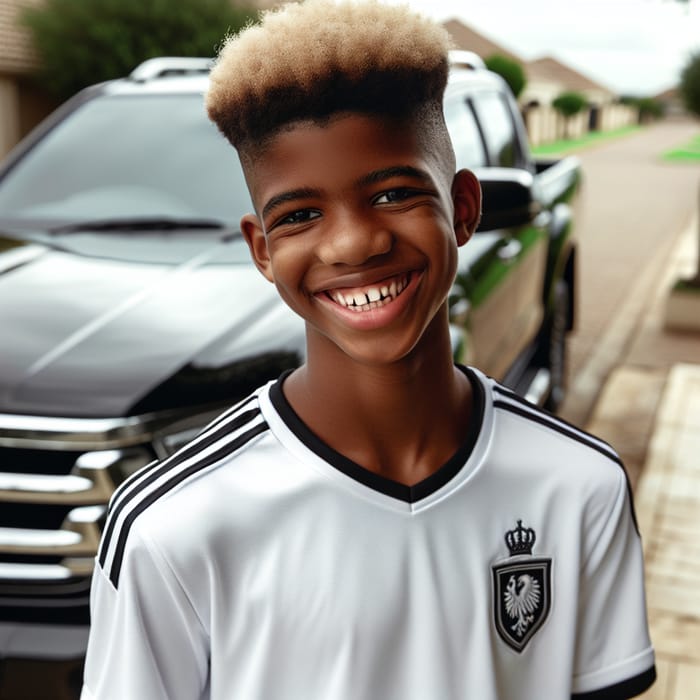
[90,336]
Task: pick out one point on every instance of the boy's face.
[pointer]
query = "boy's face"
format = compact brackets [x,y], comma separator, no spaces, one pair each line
[358,226]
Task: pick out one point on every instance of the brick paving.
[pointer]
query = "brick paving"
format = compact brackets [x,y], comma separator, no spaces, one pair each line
[649,410]
[668,508]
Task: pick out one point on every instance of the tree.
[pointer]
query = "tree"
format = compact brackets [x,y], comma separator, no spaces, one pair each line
[690,84]
[511,71]
[568,104]
[81,42]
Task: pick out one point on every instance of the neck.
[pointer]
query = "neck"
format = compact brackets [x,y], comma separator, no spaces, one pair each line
[401,419]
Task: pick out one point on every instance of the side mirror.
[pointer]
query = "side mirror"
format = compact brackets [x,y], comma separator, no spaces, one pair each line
[508,198]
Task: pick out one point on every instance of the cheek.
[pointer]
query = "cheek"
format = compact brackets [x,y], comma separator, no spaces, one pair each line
[449,269]
[288,265]
[441,241]
[445,250]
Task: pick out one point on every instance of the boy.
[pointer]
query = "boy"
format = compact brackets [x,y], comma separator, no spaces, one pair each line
[377,524]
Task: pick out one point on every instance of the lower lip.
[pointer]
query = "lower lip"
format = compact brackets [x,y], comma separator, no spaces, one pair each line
[379,316]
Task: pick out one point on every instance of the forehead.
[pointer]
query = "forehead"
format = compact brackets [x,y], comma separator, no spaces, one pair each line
[345,146]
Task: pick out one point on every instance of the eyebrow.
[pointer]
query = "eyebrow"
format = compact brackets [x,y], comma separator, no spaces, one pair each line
[289,196]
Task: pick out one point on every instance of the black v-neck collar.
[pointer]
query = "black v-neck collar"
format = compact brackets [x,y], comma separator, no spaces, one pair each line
[389,487]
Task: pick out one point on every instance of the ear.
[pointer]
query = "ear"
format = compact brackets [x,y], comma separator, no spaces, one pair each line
[466,196]
[254,234]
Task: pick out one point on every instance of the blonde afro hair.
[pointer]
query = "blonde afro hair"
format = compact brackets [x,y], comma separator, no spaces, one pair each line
[320,57]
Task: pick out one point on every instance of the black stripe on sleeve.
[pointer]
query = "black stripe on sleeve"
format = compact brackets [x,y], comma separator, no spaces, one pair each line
[169,464]
[532,413]
[623,690]
[559,427]
[198,441]
[591,440]
[176,479]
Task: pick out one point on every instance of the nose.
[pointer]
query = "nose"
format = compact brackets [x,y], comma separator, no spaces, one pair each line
[353,241]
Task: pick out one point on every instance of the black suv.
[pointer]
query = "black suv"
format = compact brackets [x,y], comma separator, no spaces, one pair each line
[131,313]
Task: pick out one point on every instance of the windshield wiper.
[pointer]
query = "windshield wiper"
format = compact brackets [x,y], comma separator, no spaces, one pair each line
[143,223]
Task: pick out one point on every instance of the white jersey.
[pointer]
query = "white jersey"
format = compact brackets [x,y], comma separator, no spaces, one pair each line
[257,563]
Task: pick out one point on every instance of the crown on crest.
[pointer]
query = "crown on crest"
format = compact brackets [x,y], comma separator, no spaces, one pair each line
[521,540]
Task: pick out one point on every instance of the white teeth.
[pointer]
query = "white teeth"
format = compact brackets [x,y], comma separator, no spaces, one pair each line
[373,297]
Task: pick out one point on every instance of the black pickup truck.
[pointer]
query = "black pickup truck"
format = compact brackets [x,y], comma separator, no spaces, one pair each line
[130,313]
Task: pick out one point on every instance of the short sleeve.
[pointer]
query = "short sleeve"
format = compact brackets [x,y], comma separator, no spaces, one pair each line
[614,655]
[146,640]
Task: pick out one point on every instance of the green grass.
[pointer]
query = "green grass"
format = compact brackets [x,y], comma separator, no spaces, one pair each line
[590,139]
[688,153]
[688,285]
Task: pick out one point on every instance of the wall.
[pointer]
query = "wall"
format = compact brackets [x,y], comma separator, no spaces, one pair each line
[22,106]
[9,115]
[545,125]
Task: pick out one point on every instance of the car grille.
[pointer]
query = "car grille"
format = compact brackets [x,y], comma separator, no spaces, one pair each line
[56,479]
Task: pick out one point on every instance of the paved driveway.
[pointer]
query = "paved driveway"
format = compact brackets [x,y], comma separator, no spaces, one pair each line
[634,207]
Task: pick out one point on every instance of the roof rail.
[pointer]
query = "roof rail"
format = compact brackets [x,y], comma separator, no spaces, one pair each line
[465,59]
[169,65]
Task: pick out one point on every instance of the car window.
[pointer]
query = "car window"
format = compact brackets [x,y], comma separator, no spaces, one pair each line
[499,131]
[129,156]
[466,139]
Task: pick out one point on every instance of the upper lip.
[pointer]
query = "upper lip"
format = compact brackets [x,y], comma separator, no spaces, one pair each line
[362,279]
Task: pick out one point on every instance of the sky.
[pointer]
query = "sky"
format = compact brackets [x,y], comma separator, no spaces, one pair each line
[633,47]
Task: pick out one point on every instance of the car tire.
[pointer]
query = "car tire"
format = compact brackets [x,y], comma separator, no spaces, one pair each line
[553,350]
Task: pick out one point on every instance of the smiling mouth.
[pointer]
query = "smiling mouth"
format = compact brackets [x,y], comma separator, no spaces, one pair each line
[371,297]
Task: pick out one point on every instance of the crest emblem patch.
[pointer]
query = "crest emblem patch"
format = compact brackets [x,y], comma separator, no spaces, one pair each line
[522,590]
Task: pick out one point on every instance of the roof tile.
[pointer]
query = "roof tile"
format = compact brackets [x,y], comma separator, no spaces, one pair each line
[551,69]
[468,39]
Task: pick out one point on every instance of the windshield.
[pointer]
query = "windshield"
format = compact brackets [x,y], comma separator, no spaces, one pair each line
[122,157]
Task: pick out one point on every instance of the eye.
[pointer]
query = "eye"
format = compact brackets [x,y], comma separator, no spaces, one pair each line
[400,194]
[301,216]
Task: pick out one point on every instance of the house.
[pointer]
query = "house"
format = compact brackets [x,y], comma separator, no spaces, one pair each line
[548,77]
[22,104]
[672,102]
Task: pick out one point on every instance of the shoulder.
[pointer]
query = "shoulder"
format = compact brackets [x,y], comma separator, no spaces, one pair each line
[165,496]
[557,456]
[542,445]
[536,427]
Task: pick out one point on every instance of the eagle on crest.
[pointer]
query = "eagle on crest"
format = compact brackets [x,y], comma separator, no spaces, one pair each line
[522,599]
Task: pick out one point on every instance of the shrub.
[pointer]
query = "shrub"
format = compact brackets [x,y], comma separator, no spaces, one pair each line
[80,42]
[511,71]
[690,84]
[570,103]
